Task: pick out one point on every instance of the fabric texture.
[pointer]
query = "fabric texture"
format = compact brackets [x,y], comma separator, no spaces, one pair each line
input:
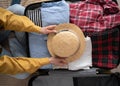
[14,8]
[56,12]
[20,22]
[98,19]
[105,48]
[95,15]
[38,42]
[18,65]
[17,44]
[85,61]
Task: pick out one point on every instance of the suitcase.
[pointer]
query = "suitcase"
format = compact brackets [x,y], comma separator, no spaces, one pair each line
[73,78]
[63,77]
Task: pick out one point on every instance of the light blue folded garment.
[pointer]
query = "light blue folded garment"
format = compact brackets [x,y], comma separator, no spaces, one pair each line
[52,13]
[55,13]
[17,9]
[38,47]
[21,75]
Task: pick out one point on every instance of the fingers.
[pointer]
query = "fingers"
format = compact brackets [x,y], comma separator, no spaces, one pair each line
[51,31]
[62,63]
[51,27]
[58,61]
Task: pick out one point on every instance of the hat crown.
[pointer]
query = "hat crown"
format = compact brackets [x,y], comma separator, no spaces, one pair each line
[69,41]
[65,43]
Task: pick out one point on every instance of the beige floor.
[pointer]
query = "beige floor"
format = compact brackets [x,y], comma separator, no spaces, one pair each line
[6,80]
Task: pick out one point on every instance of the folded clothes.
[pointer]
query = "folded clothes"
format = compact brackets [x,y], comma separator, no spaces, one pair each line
[57,13]
[85,61]
[95,15]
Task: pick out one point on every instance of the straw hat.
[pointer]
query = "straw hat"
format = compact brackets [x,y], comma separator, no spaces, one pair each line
[68,42]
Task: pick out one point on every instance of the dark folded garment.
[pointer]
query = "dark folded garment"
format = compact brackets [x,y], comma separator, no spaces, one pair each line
[105,48]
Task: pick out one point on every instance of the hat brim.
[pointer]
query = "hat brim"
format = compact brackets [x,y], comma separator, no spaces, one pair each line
[78,32]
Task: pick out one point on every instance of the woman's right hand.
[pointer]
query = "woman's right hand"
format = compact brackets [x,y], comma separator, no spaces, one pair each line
[58,61]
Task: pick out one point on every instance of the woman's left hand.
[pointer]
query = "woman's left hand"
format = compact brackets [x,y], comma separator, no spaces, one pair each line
[48,29]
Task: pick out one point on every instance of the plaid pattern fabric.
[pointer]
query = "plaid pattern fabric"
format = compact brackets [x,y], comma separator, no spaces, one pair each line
[105,48]
[95,15]
[97,19]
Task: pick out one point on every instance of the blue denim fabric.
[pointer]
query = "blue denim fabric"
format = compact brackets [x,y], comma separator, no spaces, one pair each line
[38,47]
[55,13]
[5,52]
[52,13]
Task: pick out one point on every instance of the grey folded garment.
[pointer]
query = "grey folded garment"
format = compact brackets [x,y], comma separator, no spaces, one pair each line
[5,52]
[16,48]
[38,47]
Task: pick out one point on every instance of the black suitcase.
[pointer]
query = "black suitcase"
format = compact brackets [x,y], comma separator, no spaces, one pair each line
[63,77]
[73,78]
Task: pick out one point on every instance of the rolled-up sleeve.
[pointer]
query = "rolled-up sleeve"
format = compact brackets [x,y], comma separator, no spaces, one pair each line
[10,65]
[10,21]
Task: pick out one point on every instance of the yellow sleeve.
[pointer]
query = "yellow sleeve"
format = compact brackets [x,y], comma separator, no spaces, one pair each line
[10,65]
[10,21]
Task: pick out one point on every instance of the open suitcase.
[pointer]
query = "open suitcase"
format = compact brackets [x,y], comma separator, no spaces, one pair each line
[62,77]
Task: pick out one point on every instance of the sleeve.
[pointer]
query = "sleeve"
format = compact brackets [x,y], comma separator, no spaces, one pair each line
[10,21]
[10,65]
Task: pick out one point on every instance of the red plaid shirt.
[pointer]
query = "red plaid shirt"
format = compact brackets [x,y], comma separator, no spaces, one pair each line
[95,15]
[105,48]
[97,19]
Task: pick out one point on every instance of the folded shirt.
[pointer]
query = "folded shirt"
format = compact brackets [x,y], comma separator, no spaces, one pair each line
[85,61]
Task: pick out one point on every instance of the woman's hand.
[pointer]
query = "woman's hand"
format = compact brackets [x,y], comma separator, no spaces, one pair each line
[48,29]
[58,61]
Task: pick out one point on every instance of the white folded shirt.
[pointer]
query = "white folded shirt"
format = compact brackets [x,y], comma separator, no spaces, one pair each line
[85,61]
